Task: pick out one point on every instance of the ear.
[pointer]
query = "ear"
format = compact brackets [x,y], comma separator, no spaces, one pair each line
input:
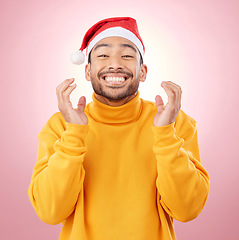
[143,72]
[87,72]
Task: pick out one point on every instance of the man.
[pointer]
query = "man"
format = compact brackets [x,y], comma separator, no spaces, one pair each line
[120,167]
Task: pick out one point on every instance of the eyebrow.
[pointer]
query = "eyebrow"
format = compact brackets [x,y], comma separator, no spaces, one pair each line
[129,46]
[102,45]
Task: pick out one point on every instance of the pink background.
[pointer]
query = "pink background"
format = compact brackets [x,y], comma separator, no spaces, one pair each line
[192,43]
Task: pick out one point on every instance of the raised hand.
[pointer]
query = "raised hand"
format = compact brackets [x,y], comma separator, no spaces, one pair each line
[71,115]
[167,115]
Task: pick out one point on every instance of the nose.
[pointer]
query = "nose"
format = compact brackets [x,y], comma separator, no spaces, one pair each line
[115,63]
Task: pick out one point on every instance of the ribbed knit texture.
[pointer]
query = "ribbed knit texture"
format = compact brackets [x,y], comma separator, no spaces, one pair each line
[118,177]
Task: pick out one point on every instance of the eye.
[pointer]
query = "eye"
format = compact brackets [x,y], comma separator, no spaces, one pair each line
[127,56]
[103,56]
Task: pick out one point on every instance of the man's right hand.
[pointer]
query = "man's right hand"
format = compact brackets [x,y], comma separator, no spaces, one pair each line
[71,115]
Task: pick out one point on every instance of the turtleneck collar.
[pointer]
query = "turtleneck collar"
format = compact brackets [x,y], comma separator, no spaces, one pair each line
[126,113]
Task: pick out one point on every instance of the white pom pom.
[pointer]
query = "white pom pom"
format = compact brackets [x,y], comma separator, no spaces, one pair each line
[78,57]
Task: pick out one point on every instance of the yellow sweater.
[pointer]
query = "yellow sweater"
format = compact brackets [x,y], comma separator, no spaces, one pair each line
[119,177]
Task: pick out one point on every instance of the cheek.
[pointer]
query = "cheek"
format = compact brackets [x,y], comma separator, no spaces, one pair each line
[93,73]
[96,69]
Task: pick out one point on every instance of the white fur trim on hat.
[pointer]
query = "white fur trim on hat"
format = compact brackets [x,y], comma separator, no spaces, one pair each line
[116,32]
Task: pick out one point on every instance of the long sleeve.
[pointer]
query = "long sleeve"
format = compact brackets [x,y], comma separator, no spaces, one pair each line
[58,175]
[182,182]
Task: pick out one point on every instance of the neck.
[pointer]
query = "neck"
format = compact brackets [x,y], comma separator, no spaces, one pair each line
[114,103]
[125,113]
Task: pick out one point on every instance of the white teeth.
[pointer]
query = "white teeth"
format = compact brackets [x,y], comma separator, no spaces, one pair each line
[115,79]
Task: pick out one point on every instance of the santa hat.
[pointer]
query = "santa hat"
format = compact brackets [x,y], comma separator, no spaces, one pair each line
[125,27]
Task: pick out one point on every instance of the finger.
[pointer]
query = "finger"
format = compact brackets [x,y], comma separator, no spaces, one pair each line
[170,93]
[177,90]
[81,104]
[65,82]
[64,85]
[61,88]
[159,103]
[63,97]
[67,92]
[60,92]
[172,83]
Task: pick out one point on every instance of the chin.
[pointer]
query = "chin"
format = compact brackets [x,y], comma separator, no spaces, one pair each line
[116,94]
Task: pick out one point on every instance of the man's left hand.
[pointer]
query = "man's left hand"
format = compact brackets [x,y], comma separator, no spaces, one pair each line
[167,115]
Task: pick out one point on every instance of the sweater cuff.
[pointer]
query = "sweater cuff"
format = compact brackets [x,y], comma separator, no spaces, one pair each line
[74,135]
[165,135]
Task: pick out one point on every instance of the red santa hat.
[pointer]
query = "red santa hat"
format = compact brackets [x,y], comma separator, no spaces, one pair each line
[125,27]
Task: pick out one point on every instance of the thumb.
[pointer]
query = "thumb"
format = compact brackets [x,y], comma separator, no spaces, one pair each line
[159,103]
[81,104]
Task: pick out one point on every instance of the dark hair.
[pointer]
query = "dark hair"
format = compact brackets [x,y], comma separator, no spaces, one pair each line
[141,59]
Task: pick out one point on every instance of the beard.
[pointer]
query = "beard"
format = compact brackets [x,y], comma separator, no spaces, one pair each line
[115,93]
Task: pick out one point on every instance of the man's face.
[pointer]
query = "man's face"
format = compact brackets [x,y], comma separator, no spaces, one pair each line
[115,69]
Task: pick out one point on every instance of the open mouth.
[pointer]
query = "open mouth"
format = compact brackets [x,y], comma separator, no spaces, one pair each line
[115,79]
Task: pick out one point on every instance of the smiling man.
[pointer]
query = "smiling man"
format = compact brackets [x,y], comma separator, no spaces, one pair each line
[119,167]
[113,83]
